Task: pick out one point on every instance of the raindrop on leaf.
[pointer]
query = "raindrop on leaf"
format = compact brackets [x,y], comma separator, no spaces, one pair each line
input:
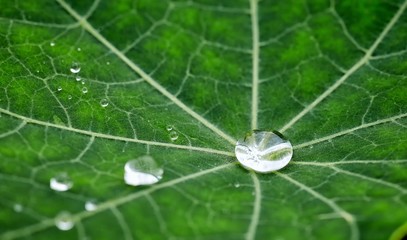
[264,151]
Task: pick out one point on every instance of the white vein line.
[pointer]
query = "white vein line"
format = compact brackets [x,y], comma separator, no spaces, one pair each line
[349,219]
[86,25]
[379,181]
[344,162]
[29,230]
[255,61]
[112,137]
[16,129]
[331,165]
[349,72]
[123,224]
[251,232]
[338,134]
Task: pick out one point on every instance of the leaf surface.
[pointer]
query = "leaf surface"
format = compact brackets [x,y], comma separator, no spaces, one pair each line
[330,75]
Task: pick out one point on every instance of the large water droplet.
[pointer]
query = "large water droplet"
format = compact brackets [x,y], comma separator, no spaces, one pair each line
[173,135]
[64,221]
[142,171]
[84,90]
[61,182]
[75,67]
[264,151]
[90,205]
[104,102]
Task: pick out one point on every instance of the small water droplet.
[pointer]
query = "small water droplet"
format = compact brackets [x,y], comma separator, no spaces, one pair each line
[263,151]
[69,97]
[107,63]
[78,78]
[90,205]
[52,44]
[237,185]
[142,171]
[59,88]
[84,90]
[173,135]
[169,127]
[75,67]
[64,221]
[83,82]
[79,49]
[104,102]
[18,207]
[61,182]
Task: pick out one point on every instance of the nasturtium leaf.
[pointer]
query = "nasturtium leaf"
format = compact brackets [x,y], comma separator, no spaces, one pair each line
[180,81]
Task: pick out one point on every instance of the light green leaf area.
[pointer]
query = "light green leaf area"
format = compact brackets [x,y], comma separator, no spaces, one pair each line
[330,75]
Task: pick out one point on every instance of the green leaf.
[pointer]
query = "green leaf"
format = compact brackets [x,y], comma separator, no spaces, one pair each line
[329,75]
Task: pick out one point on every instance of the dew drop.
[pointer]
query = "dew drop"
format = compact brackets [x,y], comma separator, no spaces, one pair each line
[237,185]
[18,207]
[173,135]
[69,97]
[59,88]
[64,221]
[52,44]
[142,171]
[61,182]
[79,49]
[84,90]
[78,78]
[107,63]
[90,205]
[169,127]
[104,102]
[75,68]
[83,82]
[263,151]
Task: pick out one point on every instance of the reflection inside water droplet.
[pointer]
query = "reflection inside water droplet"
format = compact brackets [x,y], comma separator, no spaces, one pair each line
[64,221]
[61,182]
[264,151]
[75,67]
[142,171]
